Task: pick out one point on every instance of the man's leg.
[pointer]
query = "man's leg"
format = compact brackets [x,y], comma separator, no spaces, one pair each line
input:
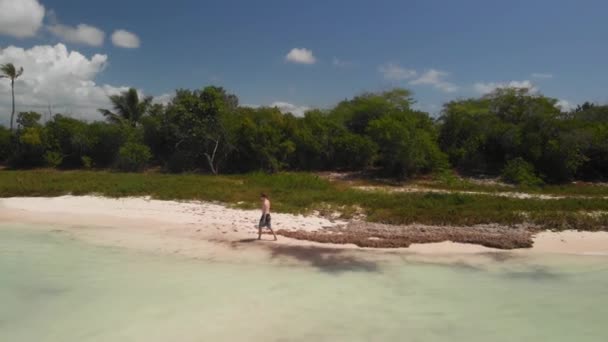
[275,235]
[260,225]
[269,225]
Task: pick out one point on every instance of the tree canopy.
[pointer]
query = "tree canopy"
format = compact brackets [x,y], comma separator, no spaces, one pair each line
[128,108]
[521,135]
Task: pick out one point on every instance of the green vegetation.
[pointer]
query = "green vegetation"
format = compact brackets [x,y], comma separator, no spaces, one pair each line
[132,157]
[522,137]
[481,136]
[519,171]
[12,73]
[128,109]
[301,193]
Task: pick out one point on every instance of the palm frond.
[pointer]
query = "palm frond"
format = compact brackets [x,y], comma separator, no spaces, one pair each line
[111,117]
[9,71]
[128,107]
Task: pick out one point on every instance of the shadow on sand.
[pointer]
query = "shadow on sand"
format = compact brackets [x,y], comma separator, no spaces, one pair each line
[329,260]
[242,241]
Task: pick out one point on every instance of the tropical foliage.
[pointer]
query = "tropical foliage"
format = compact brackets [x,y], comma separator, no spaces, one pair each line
[128,108]
[10,72]
[522,136]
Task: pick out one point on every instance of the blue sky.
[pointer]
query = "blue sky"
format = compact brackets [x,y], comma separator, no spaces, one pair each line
[441,50]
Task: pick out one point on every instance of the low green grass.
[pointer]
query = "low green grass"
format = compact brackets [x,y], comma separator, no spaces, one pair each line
[302,193]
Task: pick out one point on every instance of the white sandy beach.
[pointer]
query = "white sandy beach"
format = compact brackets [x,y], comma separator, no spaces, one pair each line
[206,230]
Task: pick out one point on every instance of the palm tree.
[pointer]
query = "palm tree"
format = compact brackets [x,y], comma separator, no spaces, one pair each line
[9,71]
[127,108]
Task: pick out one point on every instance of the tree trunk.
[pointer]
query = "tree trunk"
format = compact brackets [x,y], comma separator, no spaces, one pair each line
[13,112]
[211,158]
[210,161]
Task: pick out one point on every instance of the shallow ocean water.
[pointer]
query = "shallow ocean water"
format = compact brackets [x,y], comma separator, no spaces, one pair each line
[54,288]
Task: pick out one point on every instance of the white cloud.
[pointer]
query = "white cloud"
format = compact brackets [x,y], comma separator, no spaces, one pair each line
[300,56]
[435,78]
[125,39]
[432,77]
[542,75]
[395,72]
[286,107]
[485,88]
[430,108]
[565,105]
[81,34]
[20,18]
[341,64]
[163,99]
[55,76]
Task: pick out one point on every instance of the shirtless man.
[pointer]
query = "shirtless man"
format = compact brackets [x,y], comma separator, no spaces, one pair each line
[265,219]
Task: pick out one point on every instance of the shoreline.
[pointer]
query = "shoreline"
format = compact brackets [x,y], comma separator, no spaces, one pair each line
[201,229]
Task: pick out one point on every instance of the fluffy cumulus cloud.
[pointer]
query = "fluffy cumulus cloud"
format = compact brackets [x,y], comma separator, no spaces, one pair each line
[432,77]
[20,18]
[485,88]
[394,72]
[164,99]
[81,34]
[300,56]
[565,105]
[286,107]
[56,77]
[125,39]
[435,78]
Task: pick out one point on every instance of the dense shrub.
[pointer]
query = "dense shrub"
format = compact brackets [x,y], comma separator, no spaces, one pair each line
[133,157]
[105,141]
[353,152]
[68,137]
[520,172]
[590,123]
[87,162]
[53,159]
[481,135]
[180,161]
[29,149]
[407,144]
[5,143]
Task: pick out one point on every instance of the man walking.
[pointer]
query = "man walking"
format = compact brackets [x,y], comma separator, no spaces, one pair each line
[265,219]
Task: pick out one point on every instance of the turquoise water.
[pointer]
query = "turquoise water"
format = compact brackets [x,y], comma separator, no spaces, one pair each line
[53,288]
